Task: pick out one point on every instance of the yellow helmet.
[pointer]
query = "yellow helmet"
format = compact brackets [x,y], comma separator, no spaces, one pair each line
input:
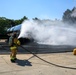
[74,51]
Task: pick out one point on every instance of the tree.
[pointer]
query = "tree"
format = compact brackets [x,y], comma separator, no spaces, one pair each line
[7,23]
[35,18]
[2,26]
[24,18]
[67,16]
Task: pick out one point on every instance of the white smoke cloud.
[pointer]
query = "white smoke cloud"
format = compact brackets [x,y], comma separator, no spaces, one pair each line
[49,32]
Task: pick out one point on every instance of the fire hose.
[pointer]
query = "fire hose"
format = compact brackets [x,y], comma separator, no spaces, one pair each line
[46,60]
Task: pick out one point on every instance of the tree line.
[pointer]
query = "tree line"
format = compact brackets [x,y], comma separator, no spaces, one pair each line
[6,23]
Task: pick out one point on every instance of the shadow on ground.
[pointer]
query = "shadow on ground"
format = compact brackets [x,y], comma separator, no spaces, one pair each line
[23,62]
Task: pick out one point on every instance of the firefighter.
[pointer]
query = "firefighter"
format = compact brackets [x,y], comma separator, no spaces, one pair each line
[13,43]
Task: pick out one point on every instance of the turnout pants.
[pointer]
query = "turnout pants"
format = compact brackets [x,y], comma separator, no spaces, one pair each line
[13,52]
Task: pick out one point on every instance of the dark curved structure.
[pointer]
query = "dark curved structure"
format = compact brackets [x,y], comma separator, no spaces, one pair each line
[17,29]
[14,29]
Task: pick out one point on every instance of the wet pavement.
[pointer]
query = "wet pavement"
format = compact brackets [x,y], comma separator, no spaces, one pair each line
[37,48]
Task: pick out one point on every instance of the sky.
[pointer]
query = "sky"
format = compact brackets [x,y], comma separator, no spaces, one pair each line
[42,9]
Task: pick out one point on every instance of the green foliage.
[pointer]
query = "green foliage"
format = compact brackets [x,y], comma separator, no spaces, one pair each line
[6,23]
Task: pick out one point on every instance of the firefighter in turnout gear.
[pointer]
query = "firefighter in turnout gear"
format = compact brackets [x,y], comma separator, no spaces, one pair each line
[13,43]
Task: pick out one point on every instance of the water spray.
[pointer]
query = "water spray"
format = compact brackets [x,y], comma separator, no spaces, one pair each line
[49,32]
